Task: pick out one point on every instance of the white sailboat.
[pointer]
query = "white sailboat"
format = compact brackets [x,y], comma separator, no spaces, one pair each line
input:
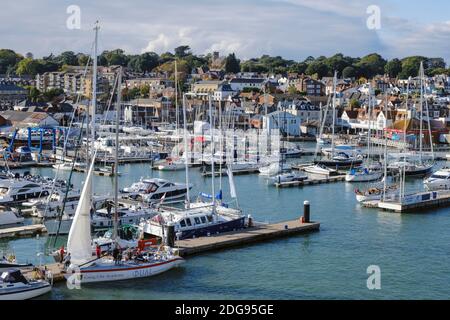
[369,172]
[79,245]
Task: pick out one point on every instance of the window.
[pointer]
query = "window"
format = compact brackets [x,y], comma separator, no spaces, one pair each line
[197,220]
[203,219]
[188,221]
[183,224]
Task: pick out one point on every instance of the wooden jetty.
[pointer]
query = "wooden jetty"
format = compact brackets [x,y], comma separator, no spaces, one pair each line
[312,180]
[23,231]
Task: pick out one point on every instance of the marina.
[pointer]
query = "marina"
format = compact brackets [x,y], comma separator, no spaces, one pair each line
[159,173]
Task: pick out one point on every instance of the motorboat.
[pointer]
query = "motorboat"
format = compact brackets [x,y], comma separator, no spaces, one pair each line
[440,180]
[18,190]
[341,160]
[274,169]
[320,170]
[171,165]
[14,286]
[376,193]
[156,190]
[101,219]
[410,169]
[364,174]
[9,217]
[289,177]
[200,220]
[8,263]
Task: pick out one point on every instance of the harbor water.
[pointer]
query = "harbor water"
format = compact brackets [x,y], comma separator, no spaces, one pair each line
[411,250]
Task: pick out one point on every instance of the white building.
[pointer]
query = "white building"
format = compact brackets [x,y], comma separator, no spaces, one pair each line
[286,122]
[238,84]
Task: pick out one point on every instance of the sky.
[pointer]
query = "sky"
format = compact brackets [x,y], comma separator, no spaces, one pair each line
[293,29]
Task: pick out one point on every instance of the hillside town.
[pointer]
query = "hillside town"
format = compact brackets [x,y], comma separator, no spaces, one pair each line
[253,99]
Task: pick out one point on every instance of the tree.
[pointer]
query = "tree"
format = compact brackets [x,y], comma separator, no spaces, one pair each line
[317,67]
[292,90]
[371,65]
[28,67]
[145,91]
[349,72]
[232,65]
[393,68]
[82,59]
[410,66]
[354,104]
[299,68]
[182,51]
[8,60]
[143,63]
[29,55]
[115,57]
[67,58]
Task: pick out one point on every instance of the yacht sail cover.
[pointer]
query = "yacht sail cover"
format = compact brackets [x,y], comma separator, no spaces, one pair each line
[79,243]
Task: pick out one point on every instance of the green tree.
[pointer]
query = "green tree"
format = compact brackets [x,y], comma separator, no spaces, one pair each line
[82,59]
[232,65]
[67,58]
[145,62]
[349,72]
[317,67]
[354,104]
[8,60]
[182,51]
[371,65]
[28,67]
[299,67]
[145,91]
[292,90]
[410,66]
[393,67]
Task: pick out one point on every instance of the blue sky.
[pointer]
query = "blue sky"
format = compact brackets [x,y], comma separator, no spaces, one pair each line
[293,29]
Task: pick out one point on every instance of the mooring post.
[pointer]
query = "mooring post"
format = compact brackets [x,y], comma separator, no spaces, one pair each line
[306,211]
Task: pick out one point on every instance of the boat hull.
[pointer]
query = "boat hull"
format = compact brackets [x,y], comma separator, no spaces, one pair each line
[124,272]
[363,177]
[26,293]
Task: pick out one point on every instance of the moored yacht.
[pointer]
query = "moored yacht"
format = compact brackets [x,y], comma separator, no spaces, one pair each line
[320,170]
[14,286]
[202,219]
[9,217]
[155,190]
[289,177]
[440,180]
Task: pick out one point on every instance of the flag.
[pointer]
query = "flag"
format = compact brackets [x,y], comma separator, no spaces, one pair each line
[231,179]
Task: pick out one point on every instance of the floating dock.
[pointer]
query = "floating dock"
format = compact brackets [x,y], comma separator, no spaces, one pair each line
[312,180]
[235,172]
[258,233]
[417,202]
[23,231]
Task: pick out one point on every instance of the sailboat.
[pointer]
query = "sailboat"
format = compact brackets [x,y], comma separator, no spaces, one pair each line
[79,244]
[371,171]
[379,191]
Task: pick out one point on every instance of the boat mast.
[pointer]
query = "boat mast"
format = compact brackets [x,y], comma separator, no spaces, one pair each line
[176,106]
[421,113]
[211,132]
[370,123]
[94,98]
[334,112]
[188,198]
[116,157]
